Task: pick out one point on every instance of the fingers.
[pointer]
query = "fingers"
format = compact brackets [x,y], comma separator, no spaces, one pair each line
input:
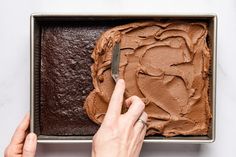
[20,133]
[142,136]
[139,132]
[115,105]
[140,124]
[30,145]
[9,151]
[140,142]
[136,107]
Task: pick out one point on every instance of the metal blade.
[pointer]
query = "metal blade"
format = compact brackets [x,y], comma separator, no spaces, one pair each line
[115,62]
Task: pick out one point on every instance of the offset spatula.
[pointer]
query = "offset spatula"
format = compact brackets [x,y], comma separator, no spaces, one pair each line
[115,62]
[115,69]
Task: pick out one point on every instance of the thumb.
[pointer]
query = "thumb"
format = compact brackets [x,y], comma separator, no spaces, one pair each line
[30,145]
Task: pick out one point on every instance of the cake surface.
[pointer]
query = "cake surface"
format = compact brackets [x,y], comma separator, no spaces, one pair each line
[66,78]
[165,64]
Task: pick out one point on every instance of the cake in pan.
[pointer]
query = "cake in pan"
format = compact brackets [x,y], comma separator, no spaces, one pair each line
[66,78]
[164,63]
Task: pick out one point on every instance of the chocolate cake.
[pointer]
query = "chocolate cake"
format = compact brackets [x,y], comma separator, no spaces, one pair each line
[66,78]
[165,64]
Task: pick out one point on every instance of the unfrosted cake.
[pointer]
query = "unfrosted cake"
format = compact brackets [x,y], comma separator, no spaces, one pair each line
[66,78]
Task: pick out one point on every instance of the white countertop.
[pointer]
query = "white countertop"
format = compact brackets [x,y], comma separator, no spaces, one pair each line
[14,68]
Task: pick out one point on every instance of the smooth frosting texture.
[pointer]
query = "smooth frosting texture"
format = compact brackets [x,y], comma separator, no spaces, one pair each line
[165,64]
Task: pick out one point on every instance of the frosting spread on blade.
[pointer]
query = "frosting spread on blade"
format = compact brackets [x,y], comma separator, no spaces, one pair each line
[165,64]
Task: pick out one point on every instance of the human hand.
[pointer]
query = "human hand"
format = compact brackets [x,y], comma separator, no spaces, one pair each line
[121,135]
[22,144]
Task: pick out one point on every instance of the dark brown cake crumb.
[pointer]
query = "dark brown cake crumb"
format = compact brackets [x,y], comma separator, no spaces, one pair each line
[66,78]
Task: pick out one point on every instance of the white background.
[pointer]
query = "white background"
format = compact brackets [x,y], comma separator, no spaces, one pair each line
[15,61]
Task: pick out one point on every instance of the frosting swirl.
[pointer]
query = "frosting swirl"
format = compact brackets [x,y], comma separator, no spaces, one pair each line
[165,64]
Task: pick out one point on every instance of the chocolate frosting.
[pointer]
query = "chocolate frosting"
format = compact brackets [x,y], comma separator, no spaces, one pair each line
[165,64]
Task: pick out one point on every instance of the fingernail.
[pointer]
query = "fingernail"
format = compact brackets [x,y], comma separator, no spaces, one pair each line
[121,81]
[31,138]
[27,115]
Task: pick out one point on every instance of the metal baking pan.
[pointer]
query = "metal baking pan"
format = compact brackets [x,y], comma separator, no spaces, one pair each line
[38,18]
